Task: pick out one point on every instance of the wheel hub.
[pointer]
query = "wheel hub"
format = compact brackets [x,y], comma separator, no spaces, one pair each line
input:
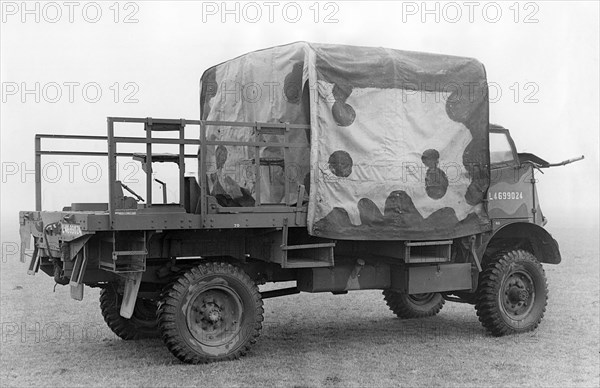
[214,316]
[518,296]
[212,313]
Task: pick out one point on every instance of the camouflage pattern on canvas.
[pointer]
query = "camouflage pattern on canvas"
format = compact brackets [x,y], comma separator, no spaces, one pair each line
[398,140]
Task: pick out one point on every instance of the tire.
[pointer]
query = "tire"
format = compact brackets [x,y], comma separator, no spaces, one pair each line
[407,306]
[512,293]
[213,312]
[142,324]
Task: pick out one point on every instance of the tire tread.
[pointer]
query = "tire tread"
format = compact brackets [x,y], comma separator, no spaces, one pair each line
[488,309]
[124,328]
[403,309]
[167,315]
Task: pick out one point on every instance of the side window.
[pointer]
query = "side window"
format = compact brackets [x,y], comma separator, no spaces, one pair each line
[500,149]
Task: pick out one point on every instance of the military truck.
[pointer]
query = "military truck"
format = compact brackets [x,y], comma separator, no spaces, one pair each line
[335,167]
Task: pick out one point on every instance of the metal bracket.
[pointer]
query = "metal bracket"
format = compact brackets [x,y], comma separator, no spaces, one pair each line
[474,253]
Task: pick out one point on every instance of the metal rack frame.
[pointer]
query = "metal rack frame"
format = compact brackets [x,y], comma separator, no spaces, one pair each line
[152,125]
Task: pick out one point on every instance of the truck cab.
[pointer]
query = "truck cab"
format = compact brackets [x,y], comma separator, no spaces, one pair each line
[512,195]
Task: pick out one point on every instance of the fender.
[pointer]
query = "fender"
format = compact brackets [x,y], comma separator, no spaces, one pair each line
[532,236]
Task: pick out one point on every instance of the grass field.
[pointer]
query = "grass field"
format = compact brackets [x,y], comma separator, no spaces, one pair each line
[314,339]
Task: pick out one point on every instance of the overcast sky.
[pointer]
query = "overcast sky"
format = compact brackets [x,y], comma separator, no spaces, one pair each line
[65,67]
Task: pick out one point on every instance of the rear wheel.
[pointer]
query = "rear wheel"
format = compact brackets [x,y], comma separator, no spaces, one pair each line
[407,306]
[213,312]
[143,322]
[512,293]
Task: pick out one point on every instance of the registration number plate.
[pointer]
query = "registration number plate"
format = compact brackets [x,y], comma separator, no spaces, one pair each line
[72,229]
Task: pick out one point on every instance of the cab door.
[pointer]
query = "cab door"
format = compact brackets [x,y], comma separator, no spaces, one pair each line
[512,195]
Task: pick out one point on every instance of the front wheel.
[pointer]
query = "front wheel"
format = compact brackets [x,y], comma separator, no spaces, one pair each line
[213,312]
[407,306]
[512,293]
